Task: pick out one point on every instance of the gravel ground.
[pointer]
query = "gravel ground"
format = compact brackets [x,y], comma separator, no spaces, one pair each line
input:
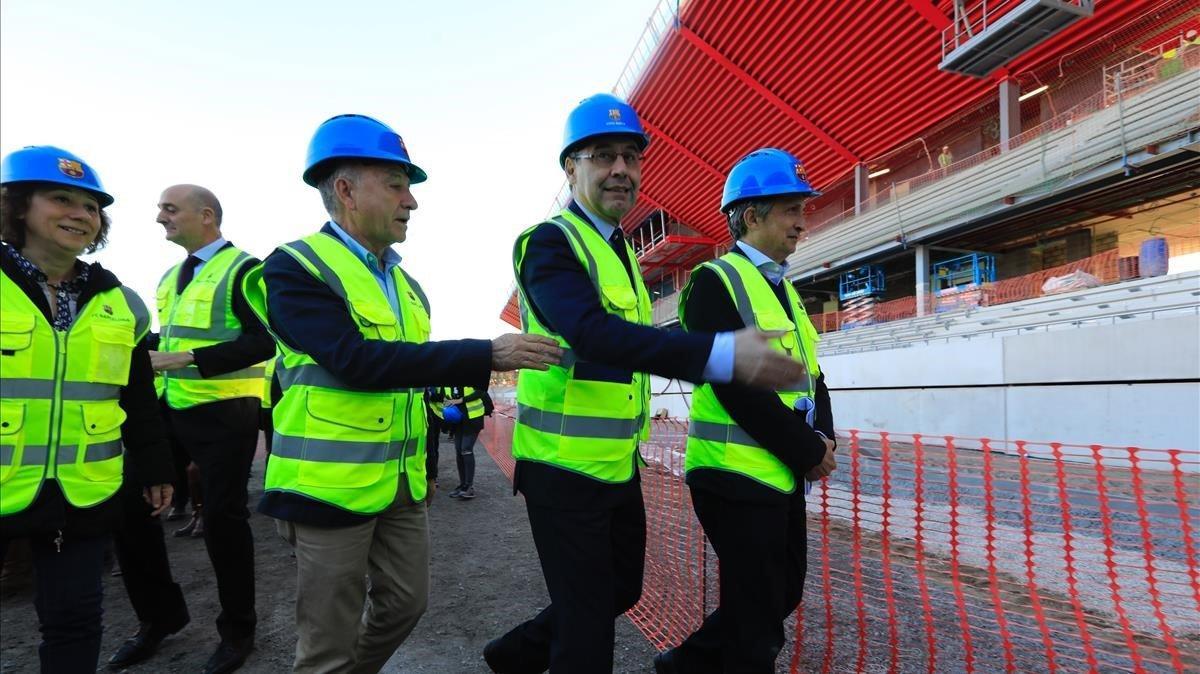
[486,578]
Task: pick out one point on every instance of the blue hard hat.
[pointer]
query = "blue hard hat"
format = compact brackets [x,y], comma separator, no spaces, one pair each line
[452,414]
[600,115]
[49,164]
[768,172]
[356,137]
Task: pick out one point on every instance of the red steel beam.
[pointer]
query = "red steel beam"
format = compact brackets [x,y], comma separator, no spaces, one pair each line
[675,145]
[733,69]
[930,13]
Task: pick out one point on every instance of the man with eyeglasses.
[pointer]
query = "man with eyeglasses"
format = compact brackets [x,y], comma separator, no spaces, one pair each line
[579,423]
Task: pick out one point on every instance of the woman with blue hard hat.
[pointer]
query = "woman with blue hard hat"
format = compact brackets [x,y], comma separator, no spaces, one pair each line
[78,411]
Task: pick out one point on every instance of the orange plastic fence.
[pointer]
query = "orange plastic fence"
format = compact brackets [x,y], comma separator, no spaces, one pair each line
[950,554]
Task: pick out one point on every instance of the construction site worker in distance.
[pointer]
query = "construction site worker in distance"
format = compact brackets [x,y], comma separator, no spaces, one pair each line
[79,416]
[579,424]
[748,449]
[346,478]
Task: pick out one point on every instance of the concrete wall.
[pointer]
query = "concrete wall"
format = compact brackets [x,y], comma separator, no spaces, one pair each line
[1003,387]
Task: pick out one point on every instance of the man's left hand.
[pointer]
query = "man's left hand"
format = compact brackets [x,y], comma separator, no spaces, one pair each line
[163,361]
[159,497]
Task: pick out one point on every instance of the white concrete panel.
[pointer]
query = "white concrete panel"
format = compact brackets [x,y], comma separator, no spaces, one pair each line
[977,412]
[965,362]
[1160,416]
[1161,349]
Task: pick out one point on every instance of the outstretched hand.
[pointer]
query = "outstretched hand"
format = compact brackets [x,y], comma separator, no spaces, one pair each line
[756,363]
[518,352]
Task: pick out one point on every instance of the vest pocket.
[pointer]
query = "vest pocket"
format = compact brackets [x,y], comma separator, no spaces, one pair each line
[621,300]
[597,421]
[377,321]
[16,338]
[194,308]
[347,439]
[12,418]
[112,350]
[101,441]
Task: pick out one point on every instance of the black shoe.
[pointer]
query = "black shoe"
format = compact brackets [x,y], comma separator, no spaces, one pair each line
[457,493]
[503,658]
[229,656]
[176,513]
[467,494]
[144,644]
[664,663]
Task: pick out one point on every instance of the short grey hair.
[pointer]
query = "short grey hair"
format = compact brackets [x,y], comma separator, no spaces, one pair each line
[737,215]
[348,170]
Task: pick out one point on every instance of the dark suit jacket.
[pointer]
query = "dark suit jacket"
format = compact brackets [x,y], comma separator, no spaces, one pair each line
[760,413]
[309,317]
[563,298]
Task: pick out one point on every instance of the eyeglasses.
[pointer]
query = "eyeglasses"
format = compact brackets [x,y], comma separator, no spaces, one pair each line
[605,158]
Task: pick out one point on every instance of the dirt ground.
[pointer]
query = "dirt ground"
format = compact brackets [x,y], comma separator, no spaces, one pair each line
[485,572]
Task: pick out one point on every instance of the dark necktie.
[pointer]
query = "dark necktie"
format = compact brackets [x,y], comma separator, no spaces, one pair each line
[186,272]
[617,241]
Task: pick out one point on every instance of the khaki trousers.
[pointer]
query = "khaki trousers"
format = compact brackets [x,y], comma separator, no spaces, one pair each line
[360,590]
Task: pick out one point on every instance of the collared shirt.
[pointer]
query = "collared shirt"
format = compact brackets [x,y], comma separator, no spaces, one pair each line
[719,368]
[207,252]
[383,275]
[769,268]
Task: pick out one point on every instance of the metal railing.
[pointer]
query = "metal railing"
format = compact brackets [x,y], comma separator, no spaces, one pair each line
[968,23]
[662,21]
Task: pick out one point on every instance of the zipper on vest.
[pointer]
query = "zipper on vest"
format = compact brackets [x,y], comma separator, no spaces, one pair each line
[165,342]
[60,366]
[58,541]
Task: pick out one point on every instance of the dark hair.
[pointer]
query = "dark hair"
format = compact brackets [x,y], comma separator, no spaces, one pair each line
[14,204]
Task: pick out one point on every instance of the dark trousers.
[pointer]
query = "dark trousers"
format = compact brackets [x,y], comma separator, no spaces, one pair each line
[183,486]
[221,438]
[145,569]
[433,438]
[266,424]
[762,548]
[68,598]
[592,560]
[464,457]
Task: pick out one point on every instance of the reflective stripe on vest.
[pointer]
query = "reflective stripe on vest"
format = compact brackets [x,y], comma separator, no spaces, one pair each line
[336,443]
[589,427]
[203,316]
[60,416]
[714,439]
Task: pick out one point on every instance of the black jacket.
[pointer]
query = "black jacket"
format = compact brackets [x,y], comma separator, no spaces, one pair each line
[253,346]
[309,317]
[609,348]
[147,454]
[779,429]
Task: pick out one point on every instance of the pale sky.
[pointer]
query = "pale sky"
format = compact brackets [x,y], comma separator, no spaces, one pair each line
[227,94]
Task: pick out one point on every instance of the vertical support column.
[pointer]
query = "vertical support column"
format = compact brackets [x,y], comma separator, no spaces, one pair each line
[862,188]
[1010,111]
[922,263]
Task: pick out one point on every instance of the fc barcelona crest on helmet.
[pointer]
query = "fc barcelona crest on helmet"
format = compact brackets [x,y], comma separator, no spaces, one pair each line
[800,172]
[614,114]
[70,167]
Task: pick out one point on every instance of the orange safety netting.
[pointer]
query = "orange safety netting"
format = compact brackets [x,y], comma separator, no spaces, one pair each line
[954,554]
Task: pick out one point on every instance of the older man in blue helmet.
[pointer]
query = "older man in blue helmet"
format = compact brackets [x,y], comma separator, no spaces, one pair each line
[750,451]
[579,424]
[346,479]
